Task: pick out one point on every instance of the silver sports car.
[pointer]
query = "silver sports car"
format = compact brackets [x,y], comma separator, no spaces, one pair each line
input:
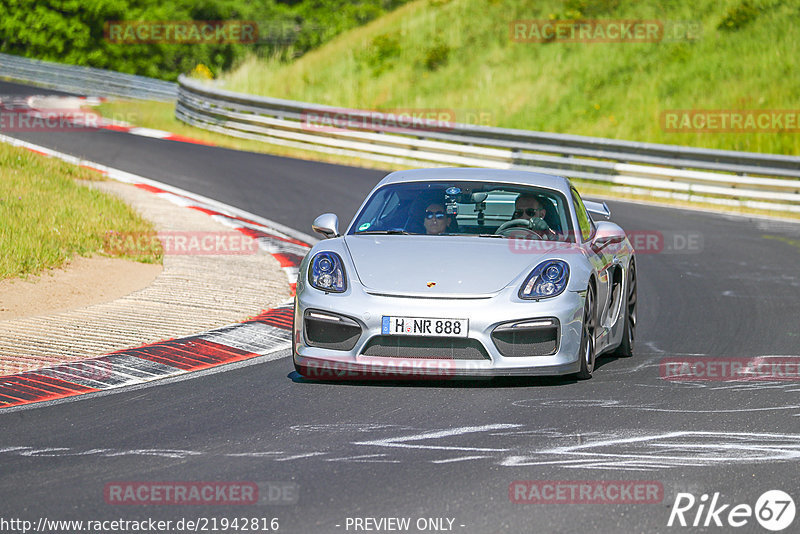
[465,272]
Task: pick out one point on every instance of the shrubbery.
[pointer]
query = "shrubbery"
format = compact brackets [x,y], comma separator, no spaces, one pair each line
[71,31]
[738,16]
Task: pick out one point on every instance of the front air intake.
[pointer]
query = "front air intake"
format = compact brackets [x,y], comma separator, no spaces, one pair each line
[332,331]
[521,339]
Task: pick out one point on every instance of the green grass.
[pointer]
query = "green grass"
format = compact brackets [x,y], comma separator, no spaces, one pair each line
[458,54]
[48,217]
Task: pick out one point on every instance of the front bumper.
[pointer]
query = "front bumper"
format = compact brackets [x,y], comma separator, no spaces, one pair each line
[356,358]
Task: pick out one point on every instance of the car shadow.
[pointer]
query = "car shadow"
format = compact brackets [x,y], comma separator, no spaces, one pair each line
[456,382]
[604,360]
[437,382]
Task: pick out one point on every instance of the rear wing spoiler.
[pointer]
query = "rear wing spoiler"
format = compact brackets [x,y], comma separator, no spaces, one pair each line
[597,208]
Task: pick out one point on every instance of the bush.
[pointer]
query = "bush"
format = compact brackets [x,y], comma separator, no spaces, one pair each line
[72,31]
[383,50]
[738,16]
[436,56]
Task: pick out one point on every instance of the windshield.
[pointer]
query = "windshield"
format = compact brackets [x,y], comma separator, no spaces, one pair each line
[486,209]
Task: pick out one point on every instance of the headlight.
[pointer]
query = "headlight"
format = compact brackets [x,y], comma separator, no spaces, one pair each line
[548,279]
[326,272]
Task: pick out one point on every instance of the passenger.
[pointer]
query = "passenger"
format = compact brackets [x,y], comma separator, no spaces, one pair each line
[436,219]
[531,207]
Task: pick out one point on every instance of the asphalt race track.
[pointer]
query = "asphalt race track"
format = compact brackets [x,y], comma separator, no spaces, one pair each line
[439,449]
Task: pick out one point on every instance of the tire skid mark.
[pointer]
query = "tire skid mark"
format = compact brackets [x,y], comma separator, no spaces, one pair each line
[652,450]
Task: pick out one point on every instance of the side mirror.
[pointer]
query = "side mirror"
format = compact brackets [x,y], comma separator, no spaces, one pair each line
[326,224]
[607,233]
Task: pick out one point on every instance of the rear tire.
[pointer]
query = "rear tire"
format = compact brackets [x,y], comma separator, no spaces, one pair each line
[625,349]
[588,327]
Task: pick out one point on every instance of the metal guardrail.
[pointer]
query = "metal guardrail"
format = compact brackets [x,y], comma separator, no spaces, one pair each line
[87,81]
[761,181]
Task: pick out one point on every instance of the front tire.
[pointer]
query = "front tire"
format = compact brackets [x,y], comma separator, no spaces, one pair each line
[625,349]
[300,369]
[588,328]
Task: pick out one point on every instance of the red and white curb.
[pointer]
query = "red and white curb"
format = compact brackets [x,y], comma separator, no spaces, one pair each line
[57,113]
[265,334]
[118,126]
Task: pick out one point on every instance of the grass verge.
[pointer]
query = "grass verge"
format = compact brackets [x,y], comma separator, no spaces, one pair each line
[47,216]
[459,55]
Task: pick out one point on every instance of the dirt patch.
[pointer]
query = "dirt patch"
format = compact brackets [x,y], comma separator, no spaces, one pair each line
[83,282]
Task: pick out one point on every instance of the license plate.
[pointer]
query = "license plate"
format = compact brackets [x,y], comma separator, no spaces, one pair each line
[424,326]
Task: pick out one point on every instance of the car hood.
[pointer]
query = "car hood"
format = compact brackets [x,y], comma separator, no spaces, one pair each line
[444,266]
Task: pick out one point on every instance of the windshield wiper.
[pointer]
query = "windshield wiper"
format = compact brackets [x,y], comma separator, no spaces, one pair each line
[492,235]
[383,232]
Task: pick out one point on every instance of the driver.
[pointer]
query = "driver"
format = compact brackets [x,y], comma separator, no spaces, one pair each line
[436,219]
[531,207]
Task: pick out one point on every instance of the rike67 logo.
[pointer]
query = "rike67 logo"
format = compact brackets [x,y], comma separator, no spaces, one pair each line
[774,510]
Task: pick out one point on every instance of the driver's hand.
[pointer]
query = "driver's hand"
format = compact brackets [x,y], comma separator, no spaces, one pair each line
[538,224]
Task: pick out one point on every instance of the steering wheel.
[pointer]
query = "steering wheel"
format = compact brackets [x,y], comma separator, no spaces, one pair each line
[519,224]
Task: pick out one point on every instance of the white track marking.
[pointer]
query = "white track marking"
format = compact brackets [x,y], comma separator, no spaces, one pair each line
[364,458]
[402,441]
[458,459]
[299,456]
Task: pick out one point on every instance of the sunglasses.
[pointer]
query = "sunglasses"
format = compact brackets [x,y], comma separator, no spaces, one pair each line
[438,214]
[528,211]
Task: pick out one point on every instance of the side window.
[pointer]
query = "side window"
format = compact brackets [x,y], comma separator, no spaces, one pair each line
[584,222]
[378,210]
[390,207]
